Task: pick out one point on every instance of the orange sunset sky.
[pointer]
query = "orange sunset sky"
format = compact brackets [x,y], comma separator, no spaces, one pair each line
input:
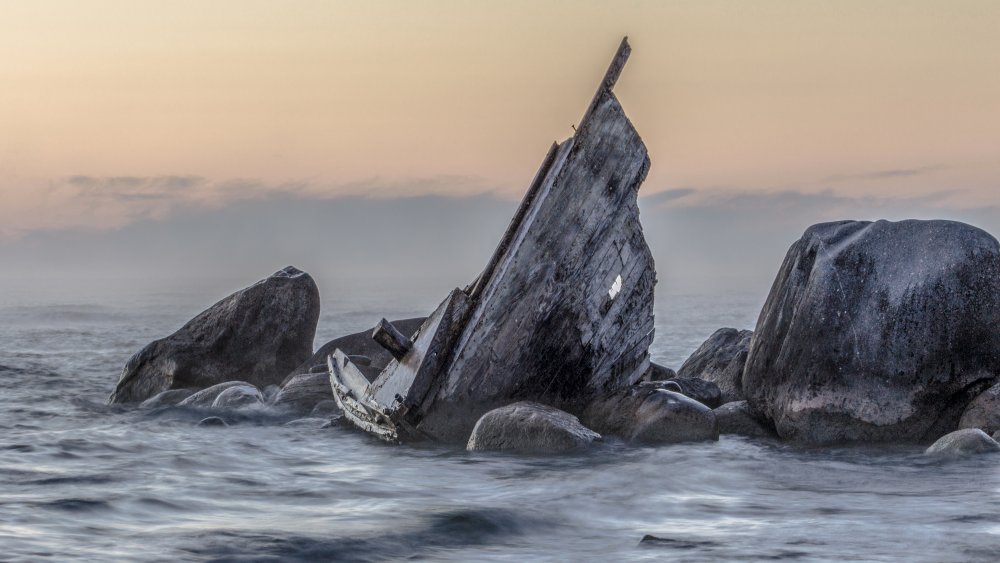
[118,112]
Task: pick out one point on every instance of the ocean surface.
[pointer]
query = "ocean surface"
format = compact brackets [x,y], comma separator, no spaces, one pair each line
[83,481]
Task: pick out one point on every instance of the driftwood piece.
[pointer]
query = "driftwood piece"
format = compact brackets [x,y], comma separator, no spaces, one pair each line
[563,310]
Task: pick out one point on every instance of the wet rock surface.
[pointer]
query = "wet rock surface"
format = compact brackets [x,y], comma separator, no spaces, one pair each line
[205,398]
[647,414]
[304,391]
[968,441]
[735,418]
[167,398]
[258,334]
[238,396]
[705,392]
[877,332]
[656,372]
[983,412]
[530,428]
[721,359]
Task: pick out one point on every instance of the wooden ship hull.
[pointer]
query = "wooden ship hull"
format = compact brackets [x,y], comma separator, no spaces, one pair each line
[562,312]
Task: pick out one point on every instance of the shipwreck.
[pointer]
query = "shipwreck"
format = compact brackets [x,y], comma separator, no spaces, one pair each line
[562,312]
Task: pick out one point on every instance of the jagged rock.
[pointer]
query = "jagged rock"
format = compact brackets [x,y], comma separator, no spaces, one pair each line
[983,412]
[530,427]
[646,414]
[304,391]
[238,396]
[735,418]
[360,348]
[205,398]
[968,441]
[877,332]
[167,398]
[705,392]
[212,421]
[720,359]
[656,372]
[258,334]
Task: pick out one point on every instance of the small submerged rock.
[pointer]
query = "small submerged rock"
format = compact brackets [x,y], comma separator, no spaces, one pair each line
[167,398]
[530,428]
[205,398]
[308,422]
[735,418]
[238,396]
[705,392]
[212,421]
[968,441]
[647,414]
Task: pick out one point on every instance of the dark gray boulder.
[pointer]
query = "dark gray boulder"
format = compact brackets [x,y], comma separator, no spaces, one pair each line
[656,372]
[304,391]
[877,332]
[720,359]
[705,392]
[735,418]
[530,428]
[968,441]
[365,352]
[237,397]
[167,398]
[983,412]
[205,398]
[258,334]
[647,414]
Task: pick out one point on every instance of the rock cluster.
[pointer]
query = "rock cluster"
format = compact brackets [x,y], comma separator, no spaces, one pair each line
[258,334]
[872,332]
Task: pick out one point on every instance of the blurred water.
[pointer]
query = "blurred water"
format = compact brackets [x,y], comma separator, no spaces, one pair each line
[83,481]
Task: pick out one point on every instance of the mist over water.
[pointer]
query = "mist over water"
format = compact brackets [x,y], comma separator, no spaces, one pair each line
[80,480]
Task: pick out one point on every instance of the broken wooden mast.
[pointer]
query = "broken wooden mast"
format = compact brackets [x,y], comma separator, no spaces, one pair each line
[562,311]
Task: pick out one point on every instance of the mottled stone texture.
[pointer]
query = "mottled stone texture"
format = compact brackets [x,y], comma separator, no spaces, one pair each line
[877,332]
[983,412]
[568,312]
[646,414]
[530,427]
[721,359]
[258,334]
[304,391]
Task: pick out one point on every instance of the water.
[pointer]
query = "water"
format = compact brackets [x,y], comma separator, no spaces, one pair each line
[83,481]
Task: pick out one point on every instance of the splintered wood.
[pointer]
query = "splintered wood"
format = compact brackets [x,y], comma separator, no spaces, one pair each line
[562,312]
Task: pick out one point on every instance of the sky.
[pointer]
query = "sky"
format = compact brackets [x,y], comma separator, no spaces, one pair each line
[158,142]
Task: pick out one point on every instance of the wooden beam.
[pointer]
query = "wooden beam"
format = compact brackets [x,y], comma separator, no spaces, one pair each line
[389,337]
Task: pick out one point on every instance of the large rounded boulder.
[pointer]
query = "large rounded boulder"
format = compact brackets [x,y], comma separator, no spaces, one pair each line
[877,332]
[530,428]
[721,359]
[258,334]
